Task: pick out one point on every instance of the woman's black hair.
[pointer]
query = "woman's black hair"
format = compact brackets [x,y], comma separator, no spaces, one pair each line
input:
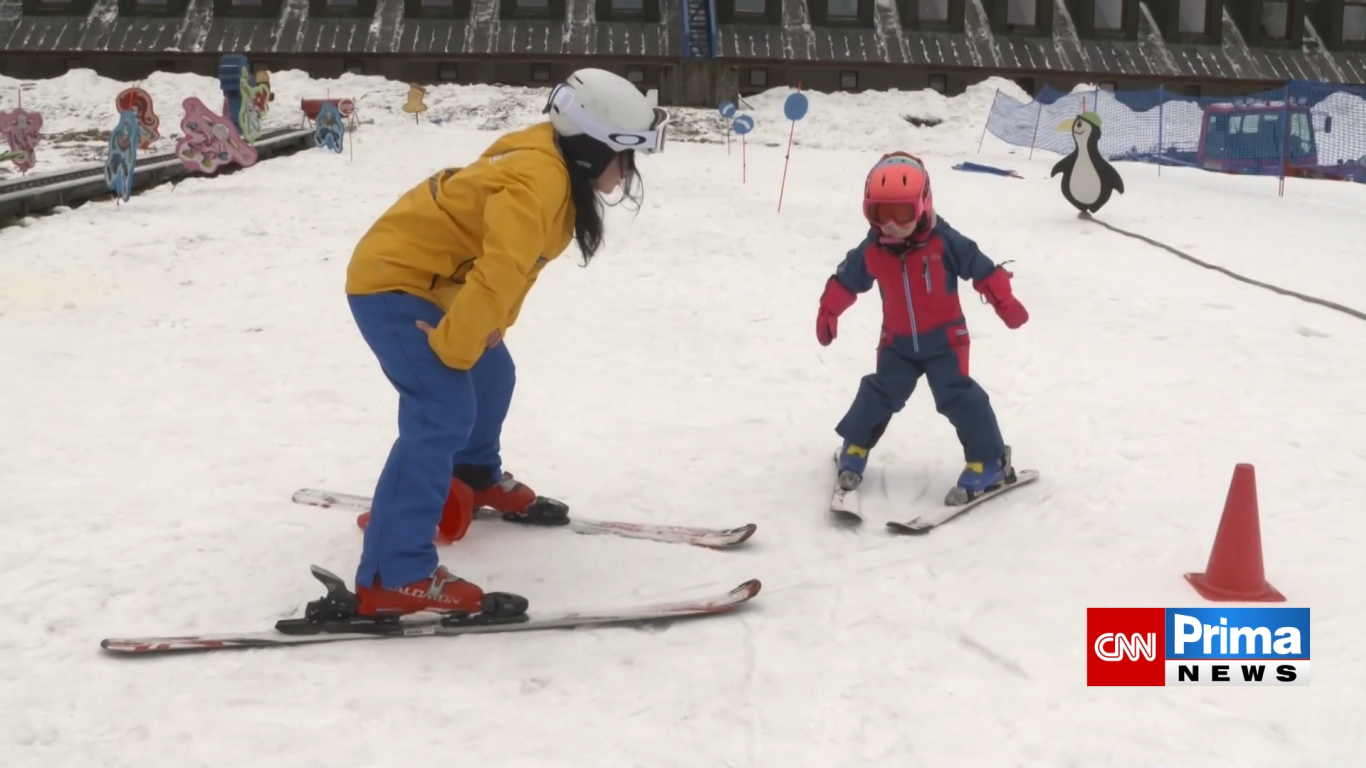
[586,158]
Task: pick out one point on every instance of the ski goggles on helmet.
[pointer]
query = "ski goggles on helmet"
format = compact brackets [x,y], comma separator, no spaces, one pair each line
[897,191]
[648,140]
[903,214]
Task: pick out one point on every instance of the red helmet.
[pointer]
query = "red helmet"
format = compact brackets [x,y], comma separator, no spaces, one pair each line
[898,191]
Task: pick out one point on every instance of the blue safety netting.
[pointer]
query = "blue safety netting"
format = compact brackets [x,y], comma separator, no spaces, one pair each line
[1244,134]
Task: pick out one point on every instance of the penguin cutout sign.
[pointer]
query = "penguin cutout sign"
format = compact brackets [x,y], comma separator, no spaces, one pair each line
[1087,178]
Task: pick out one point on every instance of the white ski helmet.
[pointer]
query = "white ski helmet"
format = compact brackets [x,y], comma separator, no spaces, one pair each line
[608,108]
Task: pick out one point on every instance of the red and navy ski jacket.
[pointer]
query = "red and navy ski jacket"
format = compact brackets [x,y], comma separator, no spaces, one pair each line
[921,314]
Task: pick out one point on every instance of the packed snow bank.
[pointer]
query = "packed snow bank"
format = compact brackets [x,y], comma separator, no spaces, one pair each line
[78,112]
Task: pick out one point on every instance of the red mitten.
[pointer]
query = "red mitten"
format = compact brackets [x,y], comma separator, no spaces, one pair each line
[995,287]
[834,301]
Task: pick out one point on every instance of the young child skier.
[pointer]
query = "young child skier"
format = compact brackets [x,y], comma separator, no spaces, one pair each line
[916,260]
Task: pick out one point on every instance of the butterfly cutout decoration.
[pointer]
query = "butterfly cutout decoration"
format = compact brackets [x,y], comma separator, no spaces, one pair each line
[210,141]
[22,130]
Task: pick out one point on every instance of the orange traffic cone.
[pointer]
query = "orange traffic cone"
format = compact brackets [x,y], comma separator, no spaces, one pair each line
[1235,571]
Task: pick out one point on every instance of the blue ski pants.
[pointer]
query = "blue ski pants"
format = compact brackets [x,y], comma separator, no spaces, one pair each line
[445,417]
[956,396]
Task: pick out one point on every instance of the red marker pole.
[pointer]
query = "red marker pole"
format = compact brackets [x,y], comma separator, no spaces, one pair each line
[795,109]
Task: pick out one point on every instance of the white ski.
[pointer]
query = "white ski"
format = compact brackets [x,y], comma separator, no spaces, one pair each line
[712,538]
[928,522]
[429,625]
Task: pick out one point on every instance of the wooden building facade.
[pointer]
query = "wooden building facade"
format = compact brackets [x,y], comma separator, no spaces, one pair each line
[697,52]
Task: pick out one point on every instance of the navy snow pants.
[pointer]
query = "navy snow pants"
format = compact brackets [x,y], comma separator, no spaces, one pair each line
[956,395]
[445,417]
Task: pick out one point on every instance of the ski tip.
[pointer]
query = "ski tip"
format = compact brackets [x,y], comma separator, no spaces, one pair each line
[121,646]
[728,539]
[747,590]
[743,533]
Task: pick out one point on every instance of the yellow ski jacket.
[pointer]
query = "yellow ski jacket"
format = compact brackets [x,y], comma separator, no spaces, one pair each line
[472,240]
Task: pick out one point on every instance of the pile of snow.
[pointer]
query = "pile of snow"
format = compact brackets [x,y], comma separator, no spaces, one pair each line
[78,112]
[871,120]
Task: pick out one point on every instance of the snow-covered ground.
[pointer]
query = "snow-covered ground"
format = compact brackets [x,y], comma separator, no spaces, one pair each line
[175,367]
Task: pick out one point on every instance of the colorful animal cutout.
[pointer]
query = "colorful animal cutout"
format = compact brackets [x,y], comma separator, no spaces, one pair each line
[22,130]
[311,107]
[263,78]
[210,141]
[1088,179]
[230,69]
[246,97]
[330,130]
[123,155]
[256,98]
[416,105]
[140,103]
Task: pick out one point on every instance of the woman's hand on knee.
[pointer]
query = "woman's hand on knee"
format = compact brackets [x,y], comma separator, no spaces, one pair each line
[494,339]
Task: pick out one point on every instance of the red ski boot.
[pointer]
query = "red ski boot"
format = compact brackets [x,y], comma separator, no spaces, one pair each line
[508,496]
[439,592]
[380,610]
[456,515]
[515,501]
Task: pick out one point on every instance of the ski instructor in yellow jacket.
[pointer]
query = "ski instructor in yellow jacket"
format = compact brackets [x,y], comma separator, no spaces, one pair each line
[435,284]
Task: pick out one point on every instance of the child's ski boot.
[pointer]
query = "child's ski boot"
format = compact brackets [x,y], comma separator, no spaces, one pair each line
[853,461]
[850,463]
[979,478]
